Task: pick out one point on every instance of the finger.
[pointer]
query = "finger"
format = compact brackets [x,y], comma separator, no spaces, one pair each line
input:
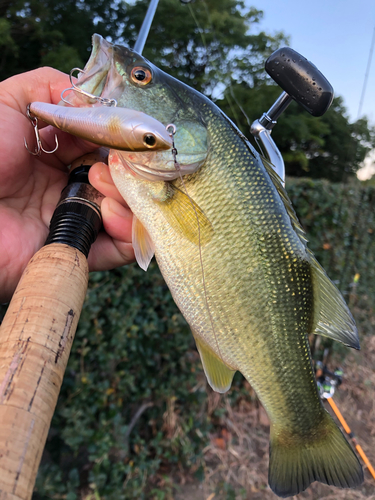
[107,253]
[43,84]
[113,248]
[117,220]
[100,178]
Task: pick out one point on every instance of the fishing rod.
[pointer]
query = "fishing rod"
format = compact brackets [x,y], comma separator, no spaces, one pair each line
[327,383]
[38,328]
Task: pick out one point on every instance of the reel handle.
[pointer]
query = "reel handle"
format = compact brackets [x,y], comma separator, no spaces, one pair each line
[301,80]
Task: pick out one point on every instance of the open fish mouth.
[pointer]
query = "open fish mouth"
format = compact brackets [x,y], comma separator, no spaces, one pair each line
[93,79]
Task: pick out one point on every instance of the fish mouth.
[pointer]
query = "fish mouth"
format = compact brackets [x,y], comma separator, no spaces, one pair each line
[153,166]
[95,72]
[95,77]
[100,76]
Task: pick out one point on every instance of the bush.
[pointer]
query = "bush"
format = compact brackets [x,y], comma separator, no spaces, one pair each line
[340,224]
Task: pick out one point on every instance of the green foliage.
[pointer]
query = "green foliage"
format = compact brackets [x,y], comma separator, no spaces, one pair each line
[201,44]
[339,220]
[63,58]
[133,406]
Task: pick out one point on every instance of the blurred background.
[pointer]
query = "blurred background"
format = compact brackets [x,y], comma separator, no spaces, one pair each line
[135,418]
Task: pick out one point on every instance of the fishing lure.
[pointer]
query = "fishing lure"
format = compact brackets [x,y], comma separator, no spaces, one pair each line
[112,127]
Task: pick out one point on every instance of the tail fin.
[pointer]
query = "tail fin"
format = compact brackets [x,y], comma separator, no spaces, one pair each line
[327,457]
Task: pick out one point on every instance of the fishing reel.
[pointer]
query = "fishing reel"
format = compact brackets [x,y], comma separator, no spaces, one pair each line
[302,82]
[327,381]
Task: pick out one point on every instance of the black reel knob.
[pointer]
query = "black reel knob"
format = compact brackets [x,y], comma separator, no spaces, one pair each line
[301,80]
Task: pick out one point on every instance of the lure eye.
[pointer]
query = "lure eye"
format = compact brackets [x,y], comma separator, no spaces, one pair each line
[149,140]
[141,76]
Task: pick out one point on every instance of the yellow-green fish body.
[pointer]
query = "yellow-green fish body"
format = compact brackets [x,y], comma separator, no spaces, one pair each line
[243,277]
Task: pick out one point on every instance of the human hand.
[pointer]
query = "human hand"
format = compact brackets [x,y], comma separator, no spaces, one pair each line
[30,186]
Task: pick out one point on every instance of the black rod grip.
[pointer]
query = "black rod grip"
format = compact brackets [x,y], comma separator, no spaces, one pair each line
[76,224]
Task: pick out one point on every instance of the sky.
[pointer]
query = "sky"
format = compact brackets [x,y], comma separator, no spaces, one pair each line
[336,36]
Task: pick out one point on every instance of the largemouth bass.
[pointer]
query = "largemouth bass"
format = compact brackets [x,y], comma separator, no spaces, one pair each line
[234,256]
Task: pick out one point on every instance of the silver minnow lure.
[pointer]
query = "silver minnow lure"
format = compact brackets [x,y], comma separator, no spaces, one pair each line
[113,127]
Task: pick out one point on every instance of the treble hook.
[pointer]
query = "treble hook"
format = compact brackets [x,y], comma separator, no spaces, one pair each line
[39,148]
[106,101]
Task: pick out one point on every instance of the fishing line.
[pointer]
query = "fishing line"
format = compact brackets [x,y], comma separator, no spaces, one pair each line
[366,75]
[239,105]
[199,28]
[232,108]
[177,167]
[213,31]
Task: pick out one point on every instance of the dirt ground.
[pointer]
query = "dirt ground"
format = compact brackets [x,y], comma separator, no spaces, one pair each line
[238,454]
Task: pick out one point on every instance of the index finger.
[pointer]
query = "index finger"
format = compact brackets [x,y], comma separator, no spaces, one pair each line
[42,84]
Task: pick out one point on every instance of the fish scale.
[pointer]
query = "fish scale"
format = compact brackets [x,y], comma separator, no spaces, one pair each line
[243,277]
[281,241]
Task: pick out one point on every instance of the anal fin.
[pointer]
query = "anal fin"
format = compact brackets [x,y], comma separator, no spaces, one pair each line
[219,376]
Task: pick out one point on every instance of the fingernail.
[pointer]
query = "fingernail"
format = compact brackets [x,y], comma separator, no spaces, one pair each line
[105,175]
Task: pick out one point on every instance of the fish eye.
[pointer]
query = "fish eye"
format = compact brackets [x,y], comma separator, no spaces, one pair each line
[140,75]
[149,140]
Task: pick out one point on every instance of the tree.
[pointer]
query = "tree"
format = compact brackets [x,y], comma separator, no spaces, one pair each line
[345,145]
[201,44]
[34,33]
[204,43]
[210,44]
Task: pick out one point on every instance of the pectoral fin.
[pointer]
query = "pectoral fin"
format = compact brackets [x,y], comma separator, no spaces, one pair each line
[332,317]
[143,246]
[219,376]
[185,216]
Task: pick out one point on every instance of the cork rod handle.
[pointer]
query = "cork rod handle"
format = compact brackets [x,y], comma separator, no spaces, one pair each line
[35,341]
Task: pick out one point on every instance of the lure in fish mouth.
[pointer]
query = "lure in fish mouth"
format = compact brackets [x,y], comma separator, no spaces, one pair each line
[112,127]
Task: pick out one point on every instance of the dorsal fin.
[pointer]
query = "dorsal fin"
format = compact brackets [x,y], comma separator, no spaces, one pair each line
[285,199]
[332,317]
